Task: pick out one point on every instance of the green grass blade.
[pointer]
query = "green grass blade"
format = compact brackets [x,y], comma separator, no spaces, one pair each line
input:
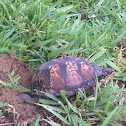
[37,122]
[78,121]
[97,55]
[71,106]
[58,51]
[8,34]
[110,117]
[56,114]
[51,123]
[50,96]
[56,109]
[100,2]
[120,38]
[48,102]
[5,8]
[110,63]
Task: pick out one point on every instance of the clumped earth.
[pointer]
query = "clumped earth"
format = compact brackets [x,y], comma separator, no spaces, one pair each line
[15,112]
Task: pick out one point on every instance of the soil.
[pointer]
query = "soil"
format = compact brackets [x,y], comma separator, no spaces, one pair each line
[14,112]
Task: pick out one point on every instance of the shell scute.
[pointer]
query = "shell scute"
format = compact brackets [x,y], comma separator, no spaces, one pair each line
[72,78]
[87,71]
[56,78]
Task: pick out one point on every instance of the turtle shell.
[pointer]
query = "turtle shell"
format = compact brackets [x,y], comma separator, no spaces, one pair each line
[71,74]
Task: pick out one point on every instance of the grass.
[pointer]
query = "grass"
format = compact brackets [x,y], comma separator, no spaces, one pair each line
[38,31]
[82,112]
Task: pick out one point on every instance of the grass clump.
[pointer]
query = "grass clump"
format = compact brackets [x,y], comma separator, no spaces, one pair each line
[38,31]
[104,110]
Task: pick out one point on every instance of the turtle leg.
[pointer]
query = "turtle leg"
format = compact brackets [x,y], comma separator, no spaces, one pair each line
[24,98]
[32,87]
[92,91]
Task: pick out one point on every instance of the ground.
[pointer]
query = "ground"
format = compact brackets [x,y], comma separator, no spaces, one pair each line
[15,112]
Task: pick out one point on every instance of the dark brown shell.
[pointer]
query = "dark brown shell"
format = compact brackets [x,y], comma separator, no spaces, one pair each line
[71,74]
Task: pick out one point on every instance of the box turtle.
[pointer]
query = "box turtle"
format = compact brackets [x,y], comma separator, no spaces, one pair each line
[71,74]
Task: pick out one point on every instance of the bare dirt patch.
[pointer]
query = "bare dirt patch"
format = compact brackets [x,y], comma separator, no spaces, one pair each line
[16,112]
[9,63]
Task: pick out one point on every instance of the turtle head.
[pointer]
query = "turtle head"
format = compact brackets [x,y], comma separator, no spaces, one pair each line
[103,74]
[107,73]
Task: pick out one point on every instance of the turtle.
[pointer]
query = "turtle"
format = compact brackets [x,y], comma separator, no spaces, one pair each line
[71,74]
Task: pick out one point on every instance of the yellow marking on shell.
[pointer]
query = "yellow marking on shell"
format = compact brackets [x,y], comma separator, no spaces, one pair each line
[56,79]
[72,77]
[87,71]
[41,76]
